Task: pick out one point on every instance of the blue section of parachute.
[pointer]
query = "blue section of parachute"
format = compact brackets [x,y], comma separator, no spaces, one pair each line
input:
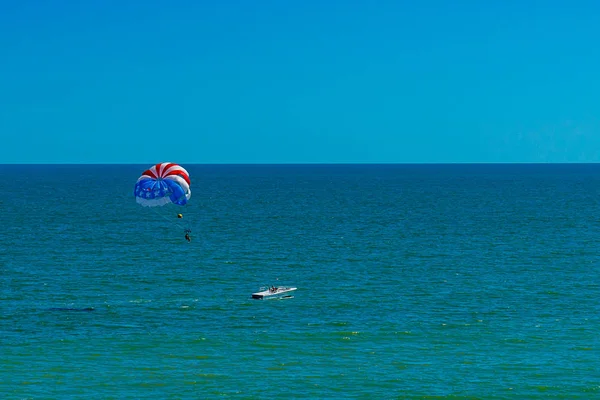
[159,192]
[177,193]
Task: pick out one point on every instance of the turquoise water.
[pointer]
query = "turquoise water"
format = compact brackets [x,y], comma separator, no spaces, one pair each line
[414,281]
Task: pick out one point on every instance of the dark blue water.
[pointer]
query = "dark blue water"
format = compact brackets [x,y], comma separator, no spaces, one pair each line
[478,281]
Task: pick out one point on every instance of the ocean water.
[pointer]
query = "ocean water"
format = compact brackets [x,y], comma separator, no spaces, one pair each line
[414,281]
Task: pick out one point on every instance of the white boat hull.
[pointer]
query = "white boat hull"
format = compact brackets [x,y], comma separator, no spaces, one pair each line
[277,293]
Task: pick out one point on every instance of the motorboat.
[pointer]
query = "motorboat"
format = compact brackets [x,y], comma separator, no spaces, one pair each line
[272,292]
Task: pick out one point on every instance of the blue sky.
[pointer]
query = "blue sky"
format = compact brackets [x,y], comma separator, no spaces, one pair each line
[299,81]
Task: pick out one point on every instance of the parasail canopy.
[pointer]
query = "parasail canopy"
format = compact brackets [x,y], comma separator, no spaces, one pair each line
[162,184]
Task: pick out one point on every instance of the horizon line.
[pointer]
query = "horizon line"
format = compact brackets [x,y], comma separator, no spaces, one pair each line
[314,163]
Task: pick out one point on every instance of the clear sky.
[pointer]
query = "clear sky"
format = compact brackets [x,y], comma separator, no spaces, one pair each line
[290,81]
